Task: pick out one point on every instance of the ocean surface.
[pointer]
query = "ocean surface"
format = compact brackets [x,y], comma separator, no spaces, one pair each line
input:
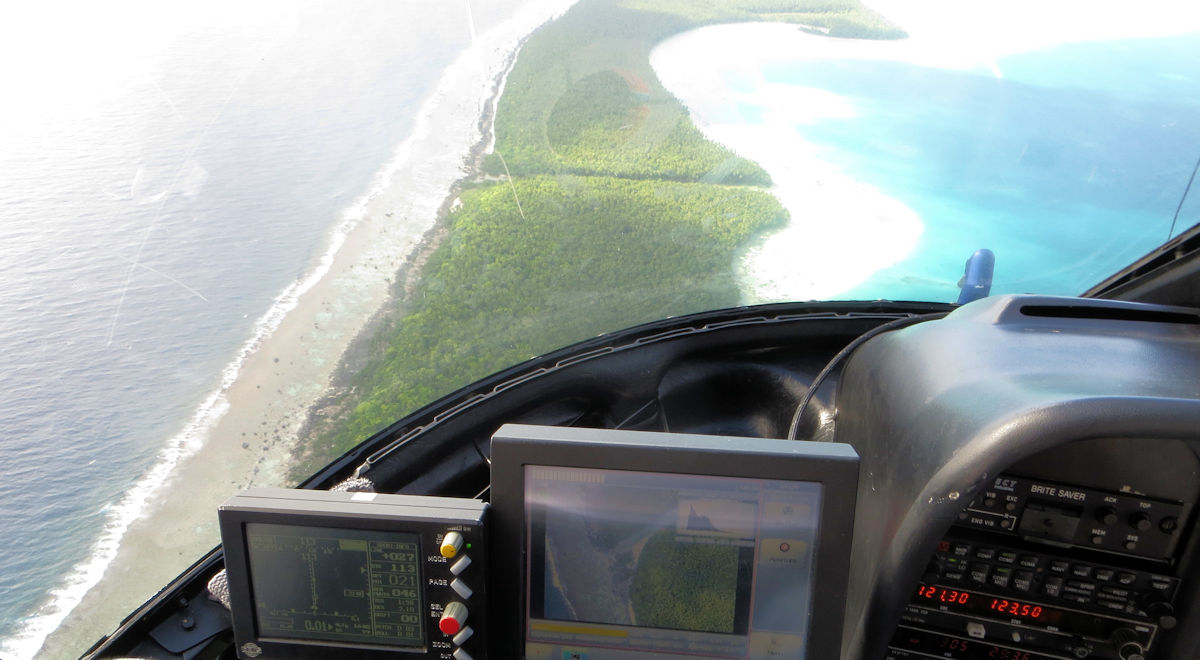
[168,176]
[1068,166]
[1067,162]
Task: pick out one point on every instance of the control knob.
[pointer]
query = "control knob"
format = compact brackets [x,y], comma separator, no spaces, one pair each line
[1107,515]
[453,618]
[1127,644]
[1164,612]
[451,544]
[1140,522]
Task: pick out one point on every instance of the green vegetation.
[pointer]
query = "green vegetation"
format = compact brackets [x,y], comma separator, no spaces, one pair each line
[626,212]
[582,98]
[685,586]
[847,19]
[581,255]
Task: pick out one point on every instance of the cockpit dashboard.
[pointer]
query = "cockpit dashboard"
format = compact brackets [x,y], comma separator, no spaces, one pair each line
[1026,481]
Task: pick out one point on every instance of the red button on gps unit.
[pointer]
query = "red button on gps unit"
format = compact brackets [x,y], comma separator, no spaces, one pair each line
[453,618]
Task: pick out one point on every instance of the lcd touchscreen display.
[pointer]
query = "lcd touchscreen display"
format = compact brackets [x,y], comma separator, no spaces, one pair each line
[336,585]
[626,564]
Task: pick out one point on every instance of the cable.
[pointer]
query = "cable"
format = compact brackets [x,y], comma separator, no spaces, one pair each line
[1183,199]
[794,429]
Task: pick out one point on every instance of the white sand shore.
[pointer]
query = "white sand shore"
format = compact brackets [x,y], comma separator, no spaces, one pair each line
[251,425]
[843,230]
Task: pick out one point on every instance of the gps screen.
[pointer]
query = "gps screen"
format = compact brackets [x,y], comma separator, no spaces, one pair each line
[336,585]
[635,565]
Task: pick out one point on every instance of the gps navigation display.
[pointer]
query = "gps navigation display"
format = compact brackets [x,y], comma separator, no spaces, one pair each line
[644,564]
[336,585]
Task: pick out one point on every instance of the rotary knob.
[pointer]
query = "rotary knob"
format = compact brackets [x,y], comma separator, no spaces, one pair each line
[1131,651]
[1164,612]
[1127,644]
[453,618]
[1107,515]
[452,542]
[1140,522]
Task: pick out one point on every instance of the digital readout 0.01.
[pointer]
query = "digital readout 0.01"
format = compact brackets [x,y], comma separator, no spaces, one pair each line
[979,603]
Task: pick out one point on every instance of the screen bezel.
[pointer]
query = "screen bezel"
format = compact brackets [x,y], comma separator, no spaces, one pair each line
[233,533]
[833,465]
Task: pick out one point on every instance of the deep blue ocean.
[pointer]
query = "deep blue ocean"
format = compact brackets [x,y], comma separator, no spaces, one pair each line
[1068,166]
[157,192]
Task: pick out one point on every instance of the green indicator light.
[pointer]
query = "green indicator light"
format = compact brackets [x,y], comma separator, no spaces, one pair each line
[468,546]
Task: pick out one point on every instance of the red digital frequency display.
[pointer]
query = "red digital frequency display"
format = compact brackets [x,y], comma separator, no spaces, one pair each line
[972,602]
[943,595]
[935,644]
[1017,608]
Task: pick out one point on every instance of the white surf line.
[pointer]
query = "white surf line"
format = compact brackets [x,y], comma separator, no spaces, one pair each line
[490,50]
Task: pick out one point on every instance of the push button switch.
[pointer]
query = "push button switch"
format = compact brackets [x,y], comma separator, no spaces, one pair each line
[461,565]
[463,635]
[461,588]
[1023,581]
[1001,577]
[979,573]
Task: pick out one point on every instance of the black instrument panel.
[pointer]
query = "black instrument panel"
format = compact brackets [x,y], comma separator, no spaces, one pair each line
[1039,566]
[1063,394]
[1051,472]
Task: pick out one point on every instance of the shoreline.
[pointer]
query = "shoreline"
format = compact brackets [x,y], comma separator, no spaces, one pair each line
[406,277]
[255,421]
[821,253]
[826,203]
[822,201]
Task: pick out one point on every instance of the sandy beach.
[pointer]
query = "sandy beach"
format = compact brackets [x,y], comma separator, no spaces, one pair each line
[843,230]
[249,429]
[820,253]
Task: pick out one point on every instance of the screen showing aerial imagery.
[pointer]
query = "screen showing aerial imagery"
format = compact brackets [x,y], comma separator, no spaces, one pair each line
[665,563]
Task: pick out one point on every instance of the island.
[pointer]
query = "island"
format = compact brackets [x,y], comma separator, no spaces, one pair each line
[601,206]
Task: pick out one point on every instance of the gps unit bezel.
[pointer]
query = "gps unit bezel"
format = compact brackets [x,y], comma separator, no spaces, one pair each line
[514,446]
[422,517]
